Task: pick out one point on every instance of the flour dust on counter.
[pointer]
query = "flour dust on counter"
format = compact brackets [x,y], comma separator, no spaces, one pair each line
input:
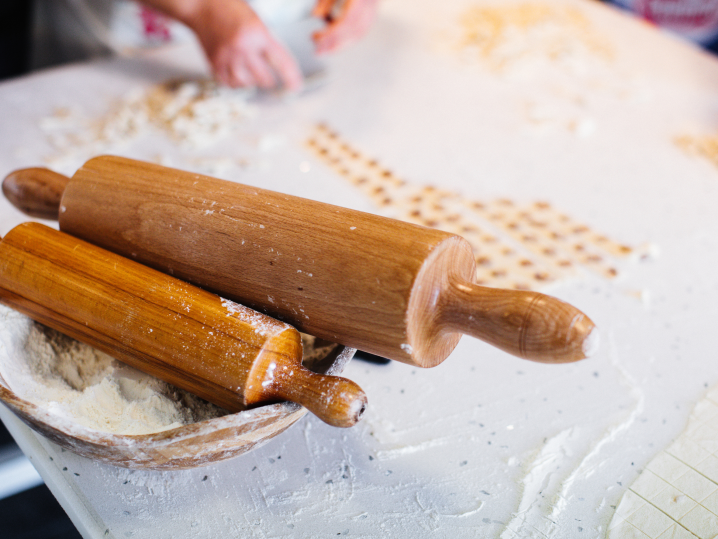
[547,489]
[528,37]
[554,49]
[705,146]
[191,114]
[516,245]
[676,494]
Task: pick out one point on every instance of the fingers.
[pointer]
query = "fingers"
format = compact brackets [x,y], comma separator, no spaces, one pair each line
[221,73]
[263,71]
[242,52]
[229,71]
[233,71]
[260,62]
[260,70]
[241,76]
[333,36]
[323,8]
[352,23]
[285,66]
[326,41]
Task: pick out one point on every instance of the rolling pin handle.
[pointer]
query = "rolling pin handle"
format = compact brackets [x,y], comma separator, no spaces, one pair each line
[35,191]
[526,324]
[336,401]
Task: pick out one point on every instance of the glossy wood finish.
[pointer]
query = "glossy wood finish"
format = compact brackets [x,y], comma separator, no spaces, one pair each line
[533,322]
[384,286]
[35,191]
[221,351]
[188,446]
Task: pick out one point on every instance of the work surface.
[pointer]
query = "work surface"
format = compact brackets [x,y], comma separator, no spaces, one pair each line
[485,445]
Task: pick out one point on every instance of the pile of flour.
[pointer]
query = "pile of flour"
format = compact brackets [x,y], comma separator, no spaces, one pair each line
[76,381]
[192,114]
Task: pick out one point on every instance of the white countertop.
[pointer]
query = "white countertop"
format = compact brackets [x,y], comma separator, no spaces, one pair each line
[485,440]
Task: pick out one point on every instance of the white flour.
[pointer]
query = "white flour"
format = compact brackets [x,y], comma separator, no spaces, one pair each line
[558,52]
[192,114]
[76,381]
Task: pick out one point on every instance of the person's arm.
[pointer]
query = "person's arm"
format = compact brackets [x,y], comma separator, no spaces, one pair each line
[347,20]
[238,46]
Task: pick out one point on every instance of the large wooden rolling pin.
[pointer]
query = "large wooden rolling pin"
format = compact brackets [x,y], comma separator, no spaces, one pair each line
[391,288]
[225,353]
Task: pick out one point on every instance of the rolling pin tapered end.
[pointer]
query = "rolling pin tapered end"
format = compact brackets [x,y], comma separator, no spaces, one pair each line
[336,401]
[554,331]
[35,191]
[526,324]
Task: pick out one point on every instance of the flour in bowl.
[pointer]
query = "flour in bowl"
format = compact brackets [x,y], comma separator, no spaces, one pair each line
[76,381]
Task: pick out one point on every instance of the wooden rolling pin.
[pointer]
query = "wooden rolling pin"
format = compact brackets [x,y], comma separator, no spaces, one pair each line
[221,351]
[391,288]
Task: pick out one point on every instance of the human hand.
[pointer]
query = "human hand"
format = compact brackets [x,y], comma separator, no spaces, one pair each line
[352,22]
[240,49]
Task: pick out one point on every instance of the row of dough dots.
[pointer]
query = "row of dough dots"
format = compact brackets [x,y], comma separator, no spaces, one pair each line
[521,246]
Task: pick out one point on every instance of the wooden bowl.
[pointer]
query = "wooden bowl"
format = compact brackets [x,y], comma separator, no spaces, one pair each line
[189,446]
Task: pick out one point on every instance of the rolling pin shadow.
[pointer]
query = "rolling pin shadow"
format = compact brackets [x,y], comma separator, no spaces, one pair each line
[387,287]
[223,352]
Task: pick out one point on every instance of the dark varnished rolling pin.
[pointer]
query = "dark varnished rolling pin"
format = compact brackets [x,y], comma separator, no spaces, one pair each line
[221,351]
[391,288]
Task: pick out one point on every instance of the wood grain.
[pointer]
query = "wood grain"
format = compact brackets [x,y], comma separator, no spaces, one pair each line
[187,446]
[223,352]
[35,191]
[380,285]
[532,322]
[341,275]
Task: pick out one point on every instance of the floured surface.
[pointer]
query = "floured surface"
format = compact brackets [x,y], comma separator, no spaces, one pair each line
[570,62]
[676,494]
[484,445]
[191,113]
